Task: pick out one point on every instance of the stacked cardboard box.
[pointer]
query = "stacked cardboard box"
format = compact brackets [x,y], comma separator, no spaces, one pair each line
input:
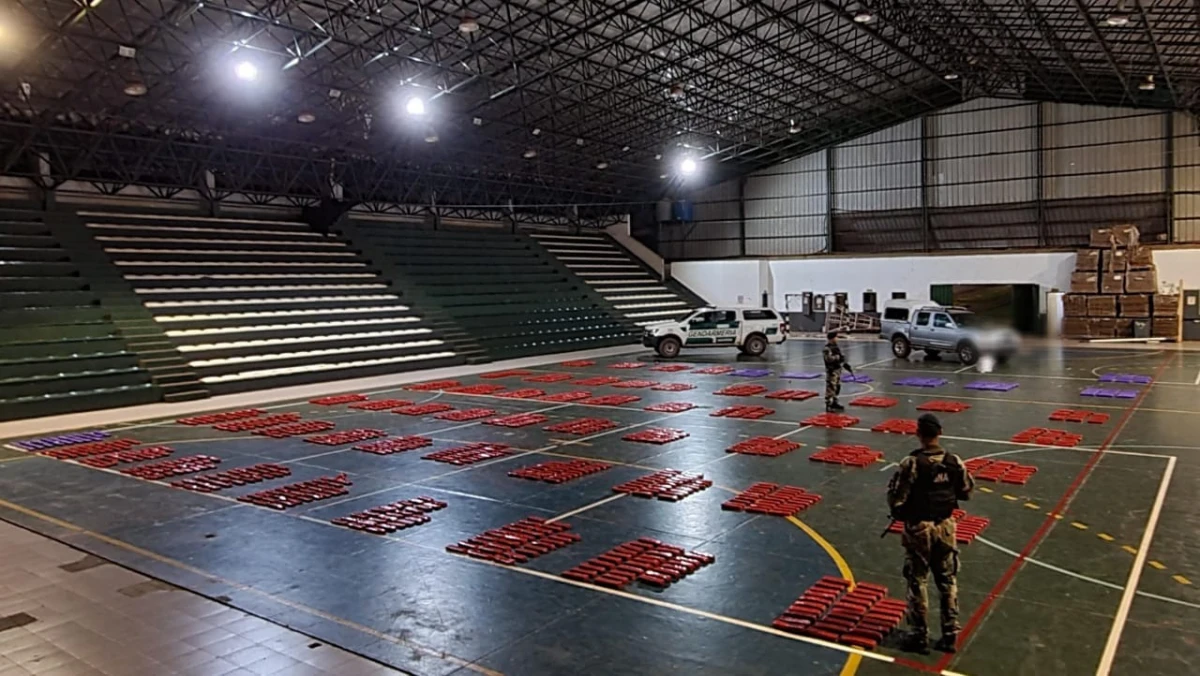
[1114,285]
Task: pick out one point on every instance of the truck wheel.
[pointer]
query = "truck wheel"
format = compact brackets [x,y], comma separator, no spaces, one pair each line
[901,347]
[754,345]
[967,354]
[669,347]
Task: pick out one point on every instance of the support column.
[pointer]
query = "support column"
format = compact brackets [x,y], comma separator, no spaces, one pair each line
[926,225]
[830,199]
[208,192]
[45,181]
[1040,171]
[742,216]
[1169,172]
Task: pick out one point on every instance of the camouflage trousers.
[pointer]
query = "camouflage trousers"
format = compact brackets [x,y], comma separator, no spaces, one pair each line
[833,386]
[930,548]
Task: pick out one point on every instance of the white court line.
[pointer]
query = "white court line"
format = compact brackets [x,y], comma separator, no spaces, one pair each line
[447,429]
[1135,575]
[581,510]
[1197,379]
[507,458]
[965,368]
[1081,576]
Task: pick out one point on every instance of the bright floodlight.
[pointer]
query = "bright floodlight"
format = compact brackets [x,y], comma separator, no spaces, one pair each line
[415,106]
[246,71]
[688,166]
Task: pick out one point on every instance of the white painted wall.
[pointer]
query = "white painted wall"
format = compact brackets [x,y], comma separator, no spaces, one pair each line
[1178,264]
[914,274]
[722,282]
[725,282]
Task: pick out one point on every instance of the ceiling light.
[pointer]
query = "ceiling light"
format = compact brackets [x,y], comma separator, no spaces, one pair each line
[306,118]
[793,129]
[658,156]
[625,149]
[578,141]
[662,175]
[477,121]
[415,106]
[335,93]
[687,166]
[863,16]
[431,137]
[537,131]
[950,76]
[1147,85]
[126,51]
[136,88]
[246,71]
[468,24]
[1118,18]
[602,165]
[529,154]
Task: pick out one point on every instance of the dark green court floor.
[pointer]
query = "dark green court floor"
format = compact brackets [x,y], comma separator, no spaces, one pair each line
[1040,589]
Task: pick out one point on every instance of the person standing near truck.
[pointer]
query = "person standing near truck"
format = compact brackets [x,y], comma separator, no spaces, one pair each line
[835,361]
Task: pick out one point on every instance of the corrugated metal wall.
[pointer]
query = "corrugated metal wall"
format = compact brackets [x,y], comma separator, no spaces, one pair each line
[986,185]
[1186,183]
[715,230]
[787,209]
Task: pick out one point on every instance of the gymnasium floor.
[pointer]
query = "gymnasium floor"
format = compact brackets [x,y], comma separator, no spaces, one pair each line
[1092,560]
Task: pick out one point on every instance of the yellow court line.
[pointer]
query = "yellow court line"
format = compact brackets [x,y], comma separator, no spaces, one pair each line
[1105,536]
[1128,548]
[1156,565]
[854,659]
[1181,579]
[291,604]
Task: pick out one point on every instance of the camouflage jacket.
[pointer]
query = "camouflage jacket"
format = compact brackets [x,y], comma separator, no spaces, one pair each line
[834,360]
[901,485]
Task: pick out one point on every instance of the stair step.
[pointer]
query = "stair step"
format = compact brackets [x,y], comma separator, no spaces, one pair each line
[186,395]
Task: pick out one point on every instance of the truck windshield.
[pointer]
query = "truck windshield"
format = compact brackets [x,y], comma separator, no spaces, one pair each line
[964,319]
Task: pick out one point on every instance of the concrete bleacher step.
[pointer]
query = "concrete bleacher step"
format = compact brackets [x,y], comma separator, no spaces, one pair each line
[247,303]
[617,275]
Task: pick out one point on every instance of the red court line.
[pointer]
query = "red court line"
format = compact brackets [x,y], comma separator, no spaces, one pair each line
[1041,532]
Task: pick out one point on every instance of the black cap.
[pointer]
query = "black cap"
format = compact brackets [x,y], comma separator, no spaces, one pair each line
[831,335]
[928,425]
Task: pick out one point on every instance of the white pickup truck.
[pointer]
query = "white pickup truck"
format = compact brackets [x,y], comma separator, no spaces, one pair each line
[750,330]
[925,325]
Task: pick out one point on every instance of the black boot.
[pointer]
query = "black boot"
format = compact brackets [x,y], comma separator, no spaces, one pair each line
[834,406]
[916,642]
[948,643]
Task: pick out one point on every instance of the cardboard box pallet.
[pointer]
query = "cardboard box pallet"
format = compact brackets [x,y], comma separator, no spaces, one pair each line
[1116,235]
[1134,305]
[1102,306]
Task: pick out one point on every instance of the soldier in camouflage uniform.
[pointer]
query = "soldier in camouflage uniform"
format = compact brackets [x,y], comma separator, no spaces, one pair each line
[835,361]
[923,493]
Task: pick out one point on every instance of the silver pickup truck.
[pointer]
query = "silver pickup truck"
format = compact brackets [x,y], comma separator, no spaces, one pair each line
[935,329]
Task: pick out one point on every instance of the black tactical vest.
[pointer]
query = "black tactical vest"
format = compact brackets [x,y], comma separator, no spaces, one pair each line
[934,495]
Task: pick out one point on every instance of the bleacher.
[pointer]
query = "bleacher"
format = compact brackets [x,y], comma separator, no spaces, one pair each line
[506,294]
[617,276]
[59,349]
[254,303]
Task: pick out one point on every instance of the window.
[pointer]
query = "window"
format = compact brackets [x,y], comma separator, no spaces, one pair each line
[963,318]
[896,314]
[941,321]
[899,295]
[752,315]
[922,319]
[716,317]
